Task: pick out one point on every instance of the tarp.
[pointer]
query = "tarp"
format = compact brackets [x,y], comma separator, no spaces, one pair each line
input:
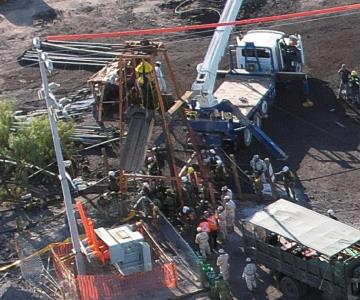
[305,226]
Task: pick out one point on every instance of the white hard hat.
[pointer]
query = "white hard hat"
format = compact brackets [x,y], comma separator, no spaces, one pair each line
[198,229]
[111,173]
[184,179]
[220,208]
[293,37]
[145,184]
[212,151]
[224,188]
[248,259]
[285,169]
[158,63]
[185,209]
[256,157]
[331,212]
[219,162]
[221,251]
[227,198]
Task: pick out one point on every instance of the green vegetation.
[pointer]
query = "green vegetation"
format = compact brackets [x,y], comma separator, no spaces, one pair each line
[30,144]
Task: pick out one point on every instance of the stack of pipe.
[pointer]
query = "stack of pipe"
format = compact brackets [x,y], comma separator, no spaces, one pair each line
[87,55]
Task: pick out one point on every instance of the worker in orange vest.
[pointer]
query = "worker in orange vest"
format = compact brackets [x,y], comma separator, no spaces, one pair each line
[213,229]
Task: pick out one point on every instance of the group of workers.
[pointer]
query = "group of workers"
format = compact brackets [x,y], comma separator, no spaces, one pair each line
[215,226]
[263,175]
[349,84]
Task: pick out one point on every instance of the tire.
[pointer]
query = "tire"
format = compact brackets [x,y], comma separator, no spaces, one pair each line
[264,108]
[257,120]
[291,288]
[247,138]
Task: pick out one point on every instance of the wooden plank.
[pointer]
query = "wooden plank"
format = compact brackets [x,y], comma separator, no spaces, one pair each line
[245,93]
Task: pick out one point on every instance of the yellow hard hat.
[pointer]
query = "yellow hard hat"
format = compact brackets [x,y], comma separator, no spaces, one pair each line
[354,73]
[190,170]
[144,67]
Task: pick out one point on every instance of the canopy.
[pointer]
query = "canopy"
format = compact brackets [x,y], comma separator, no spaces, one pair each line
[305,226]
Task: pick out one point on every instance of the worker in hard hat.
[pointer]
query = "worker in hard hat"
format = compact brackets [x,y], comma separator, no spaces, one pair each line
[230,207]
[223,263]
[259,167]
[159,154]
[344,75]
[219,172]
[113,181]
[202,239]
[193,180]
[170,203]
[288,179]
[249,274]
[145,189]
[221,290]
[291,54]
[145,80]
[354,84]
[187,191]
[331,214]
[160,77]
[210,224]
[225,191]
[152,167]
[211,159]
[221,218]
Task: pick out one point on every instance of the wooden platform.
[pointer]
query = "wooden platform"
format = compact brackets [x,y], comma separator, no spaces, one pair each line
[244,93]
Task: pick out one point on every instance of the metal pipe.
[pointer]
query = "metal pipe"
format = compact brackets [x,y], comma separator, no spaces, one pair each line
[61,166]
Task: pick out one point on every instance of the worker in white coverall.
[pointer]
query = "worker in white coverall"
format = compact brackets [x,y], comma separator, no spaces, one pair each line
[230,207]
[160,77]
[249,274]
[202,239]
[225,191]
[221,218]
[223,264]
[259,167]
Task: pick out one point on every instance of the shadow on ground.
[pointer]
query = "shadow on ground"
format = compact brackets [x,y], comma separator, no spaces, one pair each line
[25,12]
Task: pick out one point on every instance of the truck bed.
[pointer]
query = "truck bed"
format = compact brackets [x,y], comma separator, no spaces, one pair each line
[244,92]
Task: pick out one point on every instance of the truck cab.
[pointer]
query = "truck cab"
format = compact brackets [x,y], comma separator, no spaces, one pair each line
[267,52]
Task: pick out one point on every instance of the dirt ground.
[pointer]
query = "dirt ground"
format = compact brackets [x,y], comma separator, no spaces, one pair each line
[322,142]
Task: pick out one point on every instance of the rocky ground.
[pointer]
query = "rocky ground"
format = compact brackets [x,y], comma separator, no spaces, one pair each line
[322,142]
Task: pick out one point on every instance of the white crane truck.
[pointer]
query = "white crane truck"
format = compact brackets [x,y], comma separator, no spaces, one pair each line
[259,60]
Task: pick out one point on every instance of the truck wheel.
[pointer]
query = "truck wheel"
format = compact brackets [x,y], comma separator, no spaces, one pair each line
[264,108]
[290,288]
[257,120]
[247,137]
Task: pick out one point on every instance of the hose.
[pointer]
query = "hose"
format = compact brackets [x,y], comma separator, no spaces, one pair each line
[178,12]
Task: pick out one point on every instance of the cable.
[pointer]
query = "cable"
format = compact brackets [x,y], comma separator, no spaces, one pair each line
[178,12]
[155,31]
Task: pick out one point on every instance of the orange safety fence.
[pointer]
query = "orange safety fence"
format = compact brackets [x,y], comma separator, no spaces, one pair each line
[112,286]
[64,265]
